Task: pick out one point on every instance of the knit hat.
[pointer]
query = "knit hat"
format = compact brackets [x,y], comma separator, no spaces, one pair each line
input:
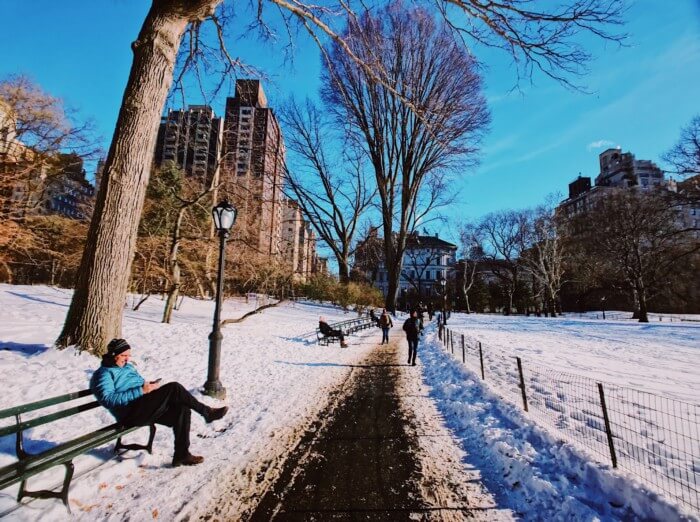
[117,346]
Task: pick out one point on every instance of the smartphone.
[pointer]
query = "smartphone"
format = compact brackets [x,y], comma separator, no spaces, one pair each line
[157,380]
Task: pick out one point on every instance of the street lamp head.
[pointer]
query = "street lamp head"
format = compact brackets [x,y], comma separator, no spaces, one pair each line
[224,215]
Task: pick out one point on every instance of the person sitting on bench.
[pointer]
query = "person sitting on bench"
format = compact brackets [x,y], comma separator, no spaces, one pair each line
[134,402]
[329,332]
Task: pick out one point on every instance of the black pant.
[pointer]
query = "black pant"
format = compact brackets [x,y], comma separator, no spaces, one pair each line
[339,334]
[169,405]
[412,349]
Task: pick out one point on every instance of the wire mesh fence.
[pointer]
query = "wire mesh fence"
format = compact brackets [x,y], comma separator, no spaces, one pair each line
[655,438]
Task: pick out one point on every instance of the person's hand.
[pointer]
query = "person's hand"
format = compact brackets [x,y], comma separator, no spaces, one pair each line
[148,387]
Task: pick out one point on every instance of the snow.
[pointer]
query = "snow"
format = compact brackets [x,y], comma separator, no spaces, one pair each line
[278,379]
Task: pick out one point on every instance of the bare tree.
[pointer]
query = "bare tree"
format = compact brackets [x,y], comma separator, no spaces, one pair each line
[501,235]
[332,197]
[640,238]
[684,158]
[544,253]
[540,38]
[473,255]
[41,142]
[410,147]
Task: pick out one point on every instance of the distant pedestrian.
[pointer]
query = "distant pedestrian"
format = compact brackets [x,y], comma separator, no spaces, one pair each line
[412,326]
[385,323]
[374,317]
[431,311]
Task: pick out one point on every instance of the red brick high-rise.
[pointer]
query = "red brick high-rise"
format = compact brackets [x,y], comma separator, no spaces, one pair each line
[252,170]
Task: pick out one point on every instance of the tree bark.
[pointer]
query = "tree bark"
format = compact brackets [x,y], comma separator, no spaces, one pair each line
[174,266]
[95,313]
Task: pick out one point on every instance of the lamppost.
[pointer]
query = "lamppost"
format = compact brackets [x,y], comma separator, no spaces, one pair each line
[443,284]
[224,217]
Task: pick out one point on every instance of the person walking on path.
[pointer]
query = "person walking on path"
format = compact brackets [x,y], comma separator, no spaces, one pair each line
[412,326]
[385,323]
[330,332]
[134,402]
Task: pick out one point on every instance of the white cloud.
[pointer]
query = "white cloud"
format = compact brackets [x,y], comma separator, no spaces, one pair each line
[600,144]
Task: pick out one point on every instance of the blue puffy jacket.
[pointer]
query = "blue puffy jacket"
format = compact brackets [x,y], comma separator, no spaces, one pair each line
[115,387]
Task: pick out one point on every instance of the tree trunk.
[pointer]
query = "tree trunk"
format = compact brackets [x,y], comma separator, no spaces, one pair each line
[174,267]
[343,271]
[642,301]
[95,313]
[635,304]
[392,290]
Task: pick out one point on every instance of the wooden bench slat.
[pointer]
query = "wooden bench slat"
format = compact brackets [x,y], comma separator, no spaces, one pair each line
[59,454]
[24,425]
[11,412]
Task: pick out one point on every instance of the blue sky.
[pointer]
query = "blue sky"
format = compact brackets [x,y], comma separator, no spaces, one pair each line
[541,136]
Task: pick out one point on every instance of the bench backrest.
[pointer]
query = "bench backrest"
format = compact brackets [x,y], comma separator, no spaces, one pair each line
[45,419]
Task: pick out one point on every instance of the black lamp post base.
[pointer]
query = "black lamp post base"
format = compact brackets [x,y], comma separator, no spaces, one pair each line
[214,389]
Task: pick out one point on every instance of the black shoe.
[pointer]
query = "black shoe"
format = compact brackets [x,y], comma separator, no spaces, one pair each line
[214,414]
[187,460]
[413,363]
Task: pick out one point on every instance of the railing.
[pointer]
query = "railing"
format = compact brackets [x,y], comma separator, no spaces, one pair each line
[655,438]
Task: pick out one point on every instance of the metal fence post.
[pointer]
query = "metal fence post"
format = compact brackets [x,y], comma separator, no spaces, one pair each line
[464,360]
[608,431]
[452,343]
[522,382]
[481,358]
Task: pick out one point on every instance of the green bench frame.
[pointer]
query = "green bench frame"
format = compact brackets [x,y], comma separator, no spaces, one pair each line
[28,465]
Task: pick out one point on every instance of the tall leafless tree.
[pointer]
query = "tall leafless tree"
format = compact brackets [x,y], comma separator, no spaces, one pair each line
[333,195]
[543,253]
[473,254]
[502,239]
[684,158]
[41,140]
[428,119]
[536,38]
[641,239]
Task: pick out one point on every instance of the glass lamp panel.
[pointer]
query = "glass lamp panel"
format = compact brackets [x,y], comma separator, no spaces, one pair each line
[228,217]
[216,214]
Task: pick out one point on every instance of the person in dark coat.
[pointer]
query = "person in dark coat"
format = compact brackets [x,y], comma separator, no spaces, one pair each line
[412,326]
[330,332]
[385,323]
[374,317]
[134,402]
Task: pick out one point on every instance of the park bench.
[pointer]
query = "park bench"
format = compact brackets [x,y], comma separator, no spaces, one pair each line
[348,327]
[28,465]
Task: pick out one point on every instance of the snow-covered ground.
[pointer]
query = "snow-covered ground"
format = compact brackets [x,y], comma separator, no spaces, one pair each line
[278,379]
[275,374]
[650,374]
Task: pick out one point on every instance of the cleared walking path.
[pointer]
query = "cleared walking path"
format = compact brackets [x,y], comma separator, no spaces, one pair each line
[362,463]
